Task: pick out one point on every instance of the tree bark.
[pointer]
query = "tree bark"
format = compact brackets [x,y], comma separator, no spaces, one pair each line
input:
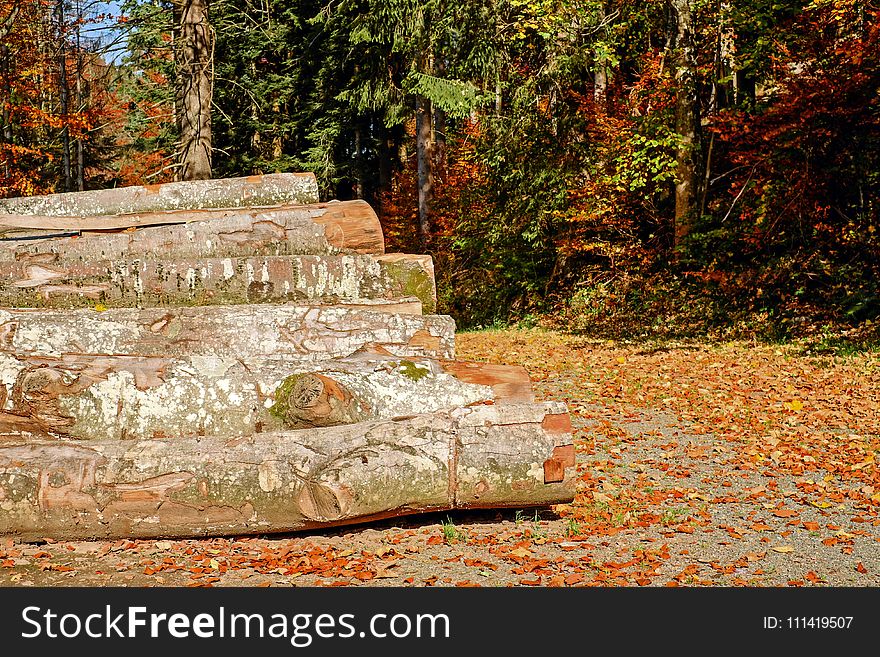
[321,228]
[97,397]
[302,334]
[425,147]
[40,282]
[600,76]
[64,93]
[170,487]
[273,189]
[194,55]
[80,101]
[687,123]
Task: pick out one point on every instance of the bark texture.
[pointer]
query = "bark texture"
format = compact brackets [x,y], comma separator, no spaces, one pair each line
[266,190]
[424,152]
[687,123]
[325,228]
[194,60]
[97,397]
[302,334]
[42,282]
[478,457]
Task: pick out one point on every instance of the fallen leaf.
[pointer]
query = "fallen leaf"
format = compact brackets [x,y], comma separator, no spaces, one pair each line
[574,578]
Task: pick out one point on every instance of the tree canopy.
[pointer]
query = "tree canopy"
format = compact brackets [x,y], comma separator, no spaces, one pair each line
[679,167]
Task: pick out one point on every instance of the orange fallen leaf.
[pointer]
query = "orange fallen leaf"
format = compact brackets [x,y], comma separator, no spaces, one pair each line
[574,578]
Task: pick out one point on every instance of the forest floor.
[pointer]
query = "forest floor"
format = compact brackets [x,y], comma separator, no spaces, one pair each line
[698,465]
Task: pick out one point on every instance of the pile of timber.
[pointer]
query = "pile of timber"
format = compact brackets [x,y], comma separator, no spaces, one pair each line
[231,357]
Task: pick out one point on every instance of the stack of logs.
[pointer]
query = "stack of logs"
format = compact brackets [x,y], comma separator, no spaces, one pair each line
[232,357]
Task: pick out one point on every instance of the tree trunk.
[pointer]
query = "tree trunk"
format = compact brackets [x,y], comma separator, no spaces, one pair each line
[194,55]
[80,105]
[98,397]
[600,85]
[425,145]
[273,189]
[359,173]
[385,161]
[600,76]
[5,57]
[279,230]
[7,92]
[744,88]
[302,334]
[687,123]
[64,92]
[169,487]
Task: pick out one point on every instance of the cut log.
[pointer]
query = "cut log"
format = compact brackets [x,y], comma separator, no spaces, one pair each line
[478,457]
[213,281]
[352,225]
[271,189]
[94,397]
[303,334]
[320,228]
[415,273]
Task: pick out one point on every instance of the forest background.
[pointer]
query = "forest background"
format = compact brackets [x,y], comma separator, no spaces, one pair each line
[663,168]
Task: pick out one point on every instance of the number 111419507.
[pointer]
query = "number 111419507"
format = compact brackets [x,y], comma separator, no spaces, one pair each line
[808,622]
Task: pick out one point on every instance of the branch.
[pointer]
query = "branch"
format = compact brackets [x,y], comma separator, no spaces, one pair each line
[6,25]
